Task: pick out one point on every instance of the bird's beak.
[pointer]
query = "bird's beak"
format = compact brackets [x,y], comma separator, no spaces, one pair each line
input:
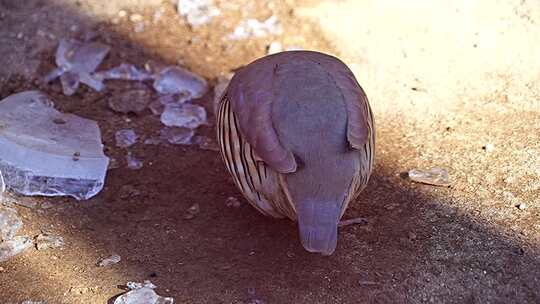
[317,223]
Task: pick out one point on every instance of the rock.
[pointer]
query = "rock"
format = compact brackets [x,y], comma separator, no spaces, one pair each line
[433,176]
[13,247]
[125,138]
[10,223]
[205,143]
[45,152]
[183,115]
[274,47]
[233,202]
[175,80]
[177,136]
[253,28]
[48,241]
[142,293]
[197,12]
[488,147]
[113,259]
[157,107]
[124,71]
[192,211]
[133,162]
[76,62]
[131,101]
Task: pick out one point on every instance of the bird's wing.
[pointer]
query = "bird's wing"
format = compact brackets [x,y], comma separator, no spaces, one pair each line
[358,113]
[251,93]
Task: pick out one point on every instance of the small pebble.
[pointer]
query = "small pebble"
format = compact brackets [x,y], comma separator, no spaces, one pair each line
[13,247]
[433,176]
[125,138]
[133,162]
[192,211]
[488,147]
[274,47]
[46,241]
[10,223]
[233,202]
[113,259]
[138,27]
[522,206]
[135,18]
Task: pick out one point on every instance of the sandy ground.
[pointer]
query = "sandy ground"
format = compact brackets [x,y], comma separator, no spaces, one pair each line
[445,79]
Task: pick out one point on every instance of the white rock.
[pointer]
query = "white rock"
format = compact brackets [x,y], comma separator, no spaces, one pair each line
[13,247]
[10,223]
[76,62]
[125,138]
[183,115]
[253,28]
[45,152]
[175,80]
[197,12]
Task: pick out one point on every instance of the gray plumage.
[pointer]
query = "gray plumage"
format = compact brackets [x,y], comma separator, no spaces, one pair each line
[306,119]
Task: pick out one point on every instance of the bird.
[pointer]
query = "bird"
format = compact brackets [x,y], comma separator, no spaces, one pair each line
[297,135]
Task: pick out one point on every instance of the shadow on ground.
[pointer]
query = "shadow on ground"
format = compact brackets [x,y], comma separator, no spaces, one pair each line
[416,248]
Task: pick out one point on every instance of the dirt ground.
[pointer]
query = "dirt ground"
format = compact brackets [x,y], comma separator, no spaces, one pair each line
[446,79]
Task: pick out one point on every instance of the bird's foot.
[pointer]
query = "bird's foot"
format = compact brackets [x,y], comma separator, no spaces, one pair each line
[354,221]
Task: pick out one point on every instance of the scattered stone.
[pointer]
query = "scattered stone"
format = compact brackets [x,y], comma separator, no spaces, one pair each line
[521,206]
[354,221]
[138,27]
[39,156]
[177,136]
[133,162]
[152,141]
[124,71]
[135,18]
[46,205]
[177,98]
[197,12]
[125,138]
[48,241]
[13,247]
[192,211]
[113,259]
[433,176]
[113,164]
[205,143]
[31,204]
[128,191]
[253,28]
[10,223]
[131,101]
[158,14]
[183,115]
[274,47]
[156,107]
[232,202]
[488,147]
[76,62]
[174,80]
[142,293]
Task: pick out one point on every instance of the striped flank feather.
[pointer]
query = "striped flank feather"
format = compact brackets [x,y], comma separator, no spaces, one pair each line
[263,187]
